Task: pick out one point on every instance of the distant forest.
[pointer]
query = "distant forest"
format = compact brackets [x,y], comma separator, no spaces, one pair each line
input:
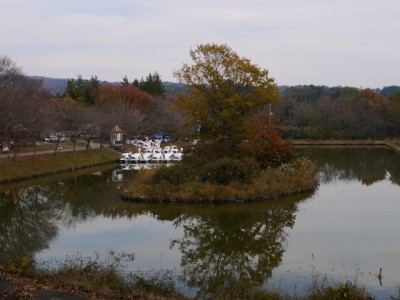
[318,112]
[58,86]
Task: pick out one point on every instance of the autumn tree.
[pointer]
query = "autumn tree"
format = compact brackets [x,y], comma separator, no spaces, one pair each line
[10,96]
[320,112]
[369,111]
[10,73]
[71,118]
[23,104]
[263,140]
[394,113]
[132,109]
[395,97]
[124,105]
[223,91]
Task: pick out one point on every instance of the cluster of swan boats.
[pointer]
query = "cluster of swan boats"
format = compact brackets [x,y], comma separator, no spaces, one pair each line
[153,154]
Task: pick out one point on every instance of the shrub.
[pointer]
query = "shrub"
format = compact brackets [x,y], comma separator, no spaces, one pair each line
[175,175]
[263,141]
[227,170]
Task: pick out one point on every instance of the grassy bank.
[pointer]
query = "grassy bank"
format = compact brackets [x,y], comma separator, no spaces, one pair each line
[295,177]
[392,143]
[47,164]
[95,279]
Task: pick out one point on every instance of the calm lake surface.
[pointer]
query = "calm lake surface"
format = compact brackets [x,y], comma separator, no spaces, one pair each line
[346,230]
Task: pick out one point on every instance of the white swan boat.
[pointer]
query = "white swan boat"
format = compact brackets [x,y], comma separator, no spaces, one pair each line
[172,153]
[153,155]
[126,157]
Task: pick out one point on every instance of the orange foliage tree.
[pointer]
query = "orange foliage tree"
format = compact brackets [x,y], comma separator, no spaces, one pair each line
[110,95]
[264,142]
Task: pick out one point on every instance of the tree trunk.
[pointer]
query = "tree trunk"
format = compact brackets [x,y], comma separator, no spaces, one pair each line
[87,145]
[34,147]
[15,148]
[55,150]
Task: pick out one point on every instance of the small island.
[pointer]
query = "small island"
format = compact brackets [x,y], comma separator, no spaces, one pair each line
[241,155]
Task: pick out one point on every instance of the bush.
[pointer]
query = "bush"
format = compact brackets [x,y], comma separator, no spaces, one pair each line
[204,153]
[175,175]
[227,170]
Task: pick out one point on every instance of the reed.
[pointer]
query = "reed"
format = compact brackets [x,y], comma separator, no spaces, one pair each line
[105,278]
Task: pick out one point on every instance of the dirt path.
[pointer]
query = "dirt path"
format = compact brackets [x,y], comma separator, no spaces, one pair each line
[19,288]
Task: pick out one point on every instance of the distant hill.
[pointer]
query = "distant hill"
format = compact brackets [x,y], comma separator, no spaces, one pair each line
[57,86]
[173,87]
[389,90]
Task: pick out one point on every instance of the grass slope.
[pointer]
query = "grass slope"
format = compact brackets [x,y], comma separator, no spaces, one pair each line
[46,164]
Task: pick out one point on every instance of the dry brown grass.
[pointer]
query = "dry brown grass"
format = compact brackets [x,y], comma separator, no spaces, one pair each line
[287,179]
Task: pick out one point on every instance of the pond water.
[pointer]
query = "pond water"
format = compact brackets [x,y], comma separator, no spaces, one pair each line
[346,230]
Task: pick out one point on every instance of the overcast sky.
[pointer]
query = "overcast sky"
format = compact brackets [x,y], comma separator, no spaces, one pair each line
[341,42]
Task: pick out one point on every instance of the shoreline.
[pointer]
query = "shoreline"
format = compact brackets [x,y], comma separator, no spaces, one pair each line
[50,173]
[272,196]
[27,167]
[392,144]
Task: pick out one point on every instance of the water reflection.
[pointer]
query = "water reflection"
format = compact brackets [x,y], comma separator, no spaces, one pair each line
[230,251]
[28,222]
[223,250]
[31,212]
[365,164]
[142,166]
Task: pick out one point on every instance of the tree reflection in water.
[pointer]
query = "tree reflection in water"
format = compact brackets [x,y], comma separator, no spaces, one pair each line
[28,222]
[231,250]
[31,212]
[365,164]
[227,250]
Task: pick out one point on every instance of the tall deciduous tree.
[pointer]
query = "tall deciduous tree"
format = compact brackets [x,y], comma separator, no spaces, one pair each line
[22,104]
[223,90]
[9,72]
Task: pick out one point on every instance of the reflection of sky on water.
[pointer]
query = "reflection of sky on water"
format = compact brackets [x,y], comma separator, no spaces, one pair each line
[346,231]
[146,237]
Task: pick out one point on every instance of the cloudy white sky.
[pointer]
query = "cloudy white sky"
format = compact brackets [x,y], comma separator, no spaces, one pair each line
[341,42]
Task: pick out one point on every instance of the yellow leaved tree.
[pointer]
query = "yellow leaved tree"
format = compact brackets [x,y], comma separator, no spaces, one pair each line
[223,90]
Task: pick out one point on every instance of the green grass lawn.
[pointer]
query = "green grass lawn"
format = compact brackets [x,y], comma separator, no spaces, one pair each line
[27,167]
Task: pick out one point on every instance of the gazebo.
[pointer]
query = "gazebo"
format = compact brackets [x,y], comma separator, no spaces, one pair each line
[116,137]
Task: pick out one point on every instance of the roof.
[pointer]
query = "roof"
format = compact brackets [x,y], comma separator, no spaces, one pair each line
[117,129]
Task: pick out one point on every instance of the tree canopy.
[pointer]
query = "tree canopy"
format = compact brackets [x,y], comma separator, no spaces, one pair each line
[24,104]
[151,85]
[83,90]
[223,90]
